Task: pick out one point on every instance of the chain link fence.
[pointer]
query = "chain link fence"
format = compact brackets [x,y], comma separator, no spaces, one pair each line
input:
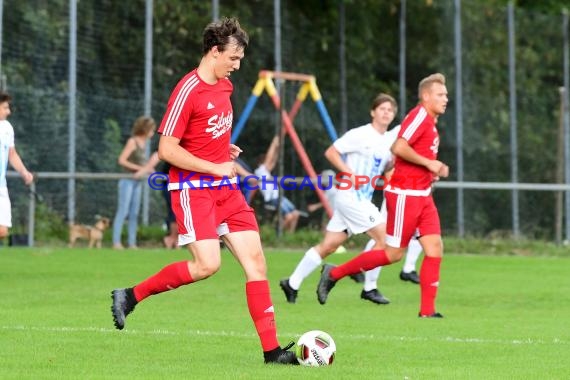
[111,91]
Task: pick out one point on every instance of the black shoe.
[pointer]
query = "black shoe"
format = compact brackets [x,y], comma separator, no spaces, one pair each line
[290,293]
[374,296]
[326,283]
[434,315]
[358,277]
[412,277]
[124,303]
[281,356]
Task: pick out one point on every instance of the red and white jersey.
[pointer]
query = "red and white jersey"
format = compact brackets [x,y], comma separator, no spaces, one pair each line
[419,130]
[201,116]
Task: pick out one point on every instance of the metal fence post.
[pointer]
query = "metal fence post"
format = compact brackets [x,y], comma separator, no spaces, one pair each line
[32,214]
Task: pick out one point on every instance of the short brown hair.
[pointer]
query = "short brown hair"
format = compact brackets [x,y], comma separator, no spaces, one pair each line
[383,98]
[218,33]
[5,97]
[143,125]
[428,81]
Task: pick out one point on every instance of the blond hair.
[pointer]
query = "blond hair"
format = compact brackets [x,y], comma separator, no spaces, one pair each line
[428,81]
[143,125]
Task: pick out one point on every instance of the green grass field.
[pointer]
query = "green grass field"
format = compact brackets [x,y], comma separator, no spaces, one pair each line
[506,317]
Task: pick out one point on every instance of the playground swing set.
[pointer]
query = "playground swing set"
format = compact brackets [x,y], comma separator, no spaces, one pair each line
[309,86]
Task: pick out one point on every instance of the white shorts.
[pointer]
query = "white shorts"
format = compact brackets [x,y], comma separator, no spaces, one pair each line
[5,208]
[353,215]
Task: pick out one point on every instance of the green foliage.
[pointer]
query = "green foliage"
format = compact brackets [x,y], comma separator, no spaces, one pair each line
[50,227]
[112,140]
[110,83]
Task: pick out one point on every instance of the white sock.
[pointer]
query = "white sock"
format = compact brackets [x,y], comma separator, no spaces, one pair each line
[414,251]
[311,261]
[371,276]
[369,245]
[371,279]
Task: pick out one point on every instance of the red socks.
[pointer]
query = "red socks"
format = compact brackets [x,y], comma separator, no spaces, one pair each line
[170,277]
[363,262]
[262,314]
[429,283]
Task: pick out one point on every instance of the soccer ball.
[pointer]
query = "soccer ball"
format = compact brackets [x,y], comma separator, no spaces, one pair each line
[315,348]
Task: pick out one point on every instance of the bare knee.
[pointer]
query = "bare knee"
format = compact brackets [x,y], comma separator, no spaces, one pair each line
[325,249]
[395,254]
[378,245]
[3,232]
[254,266]
[257,262]
[432,245]
[204,269]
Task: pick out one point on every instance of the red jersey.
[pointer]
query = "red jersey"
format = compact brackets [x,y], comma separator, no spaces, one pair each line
[419,130]
[201,116]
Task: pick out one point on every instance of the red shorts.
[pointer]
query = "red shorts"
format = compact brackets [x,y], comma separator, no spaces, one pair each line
[211,212]
[410,215]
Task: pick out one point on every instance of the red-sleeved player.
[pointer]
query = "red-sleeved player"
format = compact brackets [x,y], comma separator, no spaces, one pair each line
[195,140]
[411,209]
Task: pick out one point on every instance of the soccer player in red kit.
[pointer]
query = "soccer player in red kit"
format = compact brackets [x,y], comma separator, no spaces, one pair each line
[409,200]
[195,140]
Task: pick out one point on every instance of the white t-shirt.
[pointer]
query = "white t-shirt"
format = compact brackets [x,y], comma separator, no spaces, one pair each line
[366,153]
[266,186]
[6,142]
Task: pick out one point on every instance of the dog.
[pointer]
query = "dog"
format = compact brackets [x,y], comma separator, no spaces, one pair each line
[92,233]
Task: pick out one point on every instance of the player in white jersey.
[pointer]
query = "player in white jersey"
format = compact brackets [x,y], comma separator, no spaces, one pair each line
[8,154]
[367,155]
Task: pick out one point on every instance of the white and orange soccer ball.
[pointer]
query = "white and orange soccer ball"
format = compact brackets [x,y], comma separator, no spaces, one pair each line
[315,348]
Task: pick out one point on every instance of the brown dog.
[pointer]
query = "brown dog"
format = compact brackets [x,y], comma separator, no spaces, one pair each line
[92,233]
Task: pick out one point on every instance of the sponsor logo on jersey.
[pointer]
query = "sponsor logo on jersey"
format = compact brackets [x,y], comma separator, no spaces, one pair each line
[220,124]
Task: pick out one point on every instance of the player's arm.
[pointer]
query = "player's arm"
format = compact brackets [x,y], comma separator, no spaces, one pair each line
[334,157]
[235,151]
[244,173]
[169,150]
[402,149]
[18,165]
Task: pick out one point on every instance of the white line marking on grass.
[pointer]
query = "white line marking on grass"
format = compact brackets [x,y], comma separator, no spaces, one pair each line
[66,329]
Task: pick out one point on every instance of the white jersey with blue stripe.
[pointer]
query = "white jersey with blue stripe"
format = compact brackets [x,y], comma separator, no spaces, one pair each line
[366,152]
[6,142]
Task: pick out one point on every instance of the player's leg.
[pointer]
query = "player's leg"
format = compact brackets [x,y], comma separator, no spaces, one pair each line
[408,272]
[374,258]
[371,276]
[206,261]
[3,232]
[366,260]
[197,226]
[430,232]
[244,242]
[311,261]
[370,290]
[335,235]
[5,212]
[360,217]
